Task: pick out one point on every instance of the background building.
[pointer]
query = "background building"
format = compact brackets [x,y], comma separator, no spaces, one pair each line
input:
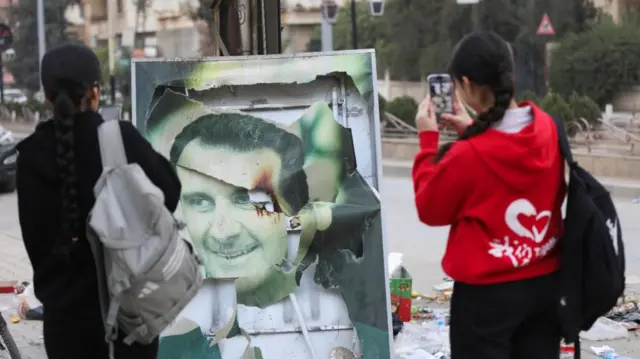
[163,24]
[614,8]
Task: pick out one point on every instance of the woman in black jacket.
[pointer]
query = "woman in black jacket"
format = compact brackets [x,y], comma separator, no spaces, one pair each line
[57,169]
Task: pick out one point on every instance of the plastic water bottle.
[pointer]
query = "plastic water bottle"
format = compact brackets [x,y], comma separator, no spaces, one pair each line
[613,356]
[440,320]
[441,323]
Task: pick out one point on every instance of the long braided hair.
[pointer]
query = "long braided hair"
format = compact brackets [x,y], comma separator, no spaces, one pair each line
[485,59]
[68,99]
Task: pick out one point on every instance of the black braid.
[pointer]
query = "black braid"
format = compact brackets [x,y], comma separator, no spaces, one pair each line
[67,101]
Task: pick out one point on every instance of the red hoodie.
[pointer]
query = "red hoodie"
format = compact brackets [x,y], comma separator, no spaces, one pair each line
[502,195]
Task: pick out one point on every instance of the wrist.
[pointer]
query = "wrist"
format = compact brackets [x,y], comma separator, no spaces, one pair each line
[428,139]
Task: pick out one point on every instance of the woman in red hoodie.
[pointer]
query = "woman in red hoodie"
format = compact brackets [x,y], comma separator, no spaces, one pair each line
[500,187]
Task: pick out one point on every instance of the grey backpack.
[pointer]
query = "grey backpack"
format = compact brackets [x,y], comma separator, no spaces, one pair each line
[146,272]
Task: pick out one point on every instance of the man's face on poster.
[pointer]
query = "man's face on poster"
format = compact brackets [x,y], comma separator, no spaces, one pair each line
[236,233]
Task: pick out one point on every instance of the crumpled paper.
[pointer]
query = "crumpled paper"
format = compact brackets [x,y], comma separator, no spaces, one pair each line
[422,341]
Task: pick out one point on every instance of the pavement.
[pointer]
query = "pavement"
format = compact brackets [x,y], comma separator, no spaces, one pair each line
[422,247]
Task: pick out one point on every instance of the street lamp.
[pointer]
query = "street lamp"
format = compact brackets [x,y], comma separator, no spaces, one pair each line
[329,15]
[329,11]
[376,8]
[475,12]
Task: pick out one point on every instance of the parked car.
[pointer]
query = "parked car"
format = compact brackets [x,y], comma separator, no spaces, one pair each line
[15,95]
[8,161]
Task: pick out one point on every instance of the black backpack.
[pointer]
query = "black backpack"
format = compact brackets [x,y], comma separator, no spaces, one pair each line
[592,268]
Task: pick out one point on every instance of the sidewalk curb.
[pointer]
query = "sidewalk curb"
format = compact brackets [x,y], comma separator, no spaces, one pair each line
[623,190]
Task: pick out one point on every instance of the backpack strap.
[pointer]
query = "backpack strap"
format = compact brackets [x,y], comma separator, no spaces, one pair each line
[563,141]
[111,146]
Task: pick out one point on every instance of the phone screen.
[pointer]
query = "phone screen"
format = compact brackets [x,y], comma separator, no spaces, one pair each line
[441,93]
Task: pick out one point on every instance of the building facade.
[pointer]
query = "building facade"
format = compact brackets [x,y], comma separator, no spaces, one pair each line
[163,24]
[614,8]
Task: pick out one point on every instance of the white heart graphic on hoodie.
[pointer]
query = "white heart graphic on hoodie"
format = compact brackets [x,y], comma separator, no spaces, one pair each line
[523,206]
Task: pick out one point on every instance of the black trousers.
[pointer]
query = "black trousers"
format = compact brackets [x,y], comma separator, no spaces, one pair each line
[513,320]
[80,335]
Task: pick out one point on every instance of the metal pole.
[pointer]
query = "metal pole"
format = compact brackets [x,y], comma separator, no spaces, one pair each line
[354,26]
[475,16]
[327,34]
[2,77]
[111,50]
[42,47]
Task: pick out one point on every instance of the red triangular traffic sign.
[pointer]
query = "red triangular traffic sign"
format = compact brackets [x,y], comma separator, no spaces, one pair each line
[546,27]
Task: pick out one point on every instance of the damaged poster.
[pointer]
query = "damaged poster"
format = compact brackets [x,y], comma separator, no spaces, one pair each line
[278,157]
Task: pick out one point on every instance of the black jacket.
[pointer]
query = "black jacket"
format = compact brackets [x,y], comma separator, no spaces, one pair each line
[65,274]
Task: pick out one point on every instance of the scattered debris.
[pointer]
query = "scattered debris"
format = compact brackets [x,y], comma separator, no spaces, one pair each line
[7,287]
[400,284]
[567,351]
[27,305]
[397,324]
[605,329]
[426,340]
[606,352]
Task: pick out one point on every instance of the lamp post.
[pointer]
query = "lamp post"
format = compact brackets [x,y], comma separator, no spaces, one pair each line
[475,12]
[111,49]
[376,8]
[41,38]
[329,16]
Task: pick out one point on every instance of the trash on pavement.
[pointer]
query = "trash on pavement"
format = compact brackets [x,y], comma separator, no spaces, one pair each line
[400,284]
[425,340]
[567,351]
[600,351]
[444,287]
[397,324]
[421,313]
[607,352]
[27,305]
[7,287]
[627,313]
[605,329]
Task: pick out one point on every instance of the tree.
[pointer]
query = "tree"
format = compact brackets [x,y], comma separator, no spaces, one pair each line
[25,68]
[398,36]
[555,105]
[582,107]
[599,63]
[416,37]
[404,108]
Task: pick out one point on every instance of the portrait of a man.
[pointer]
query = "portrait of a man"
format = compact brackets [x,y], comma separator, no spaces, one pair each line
[242,177]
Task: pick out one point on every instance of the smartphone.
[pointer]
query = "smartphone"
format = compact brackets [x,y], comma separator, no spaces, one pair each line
[441,93]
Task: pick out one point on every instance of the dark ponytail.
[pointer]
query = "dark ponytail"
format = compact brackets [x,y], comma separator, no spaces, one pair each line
[68,100]
[485,59]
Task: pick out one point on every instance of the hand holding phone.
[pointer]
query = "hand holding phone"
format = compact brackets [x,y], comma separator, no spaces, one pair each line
[460,118]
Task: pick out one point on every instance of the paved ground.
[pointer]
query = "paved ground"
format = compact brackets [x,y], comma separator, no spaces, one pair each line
[422,247]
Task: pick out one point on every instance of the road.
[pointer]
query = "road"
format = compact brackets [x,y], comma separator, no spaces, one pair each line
[422,247]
